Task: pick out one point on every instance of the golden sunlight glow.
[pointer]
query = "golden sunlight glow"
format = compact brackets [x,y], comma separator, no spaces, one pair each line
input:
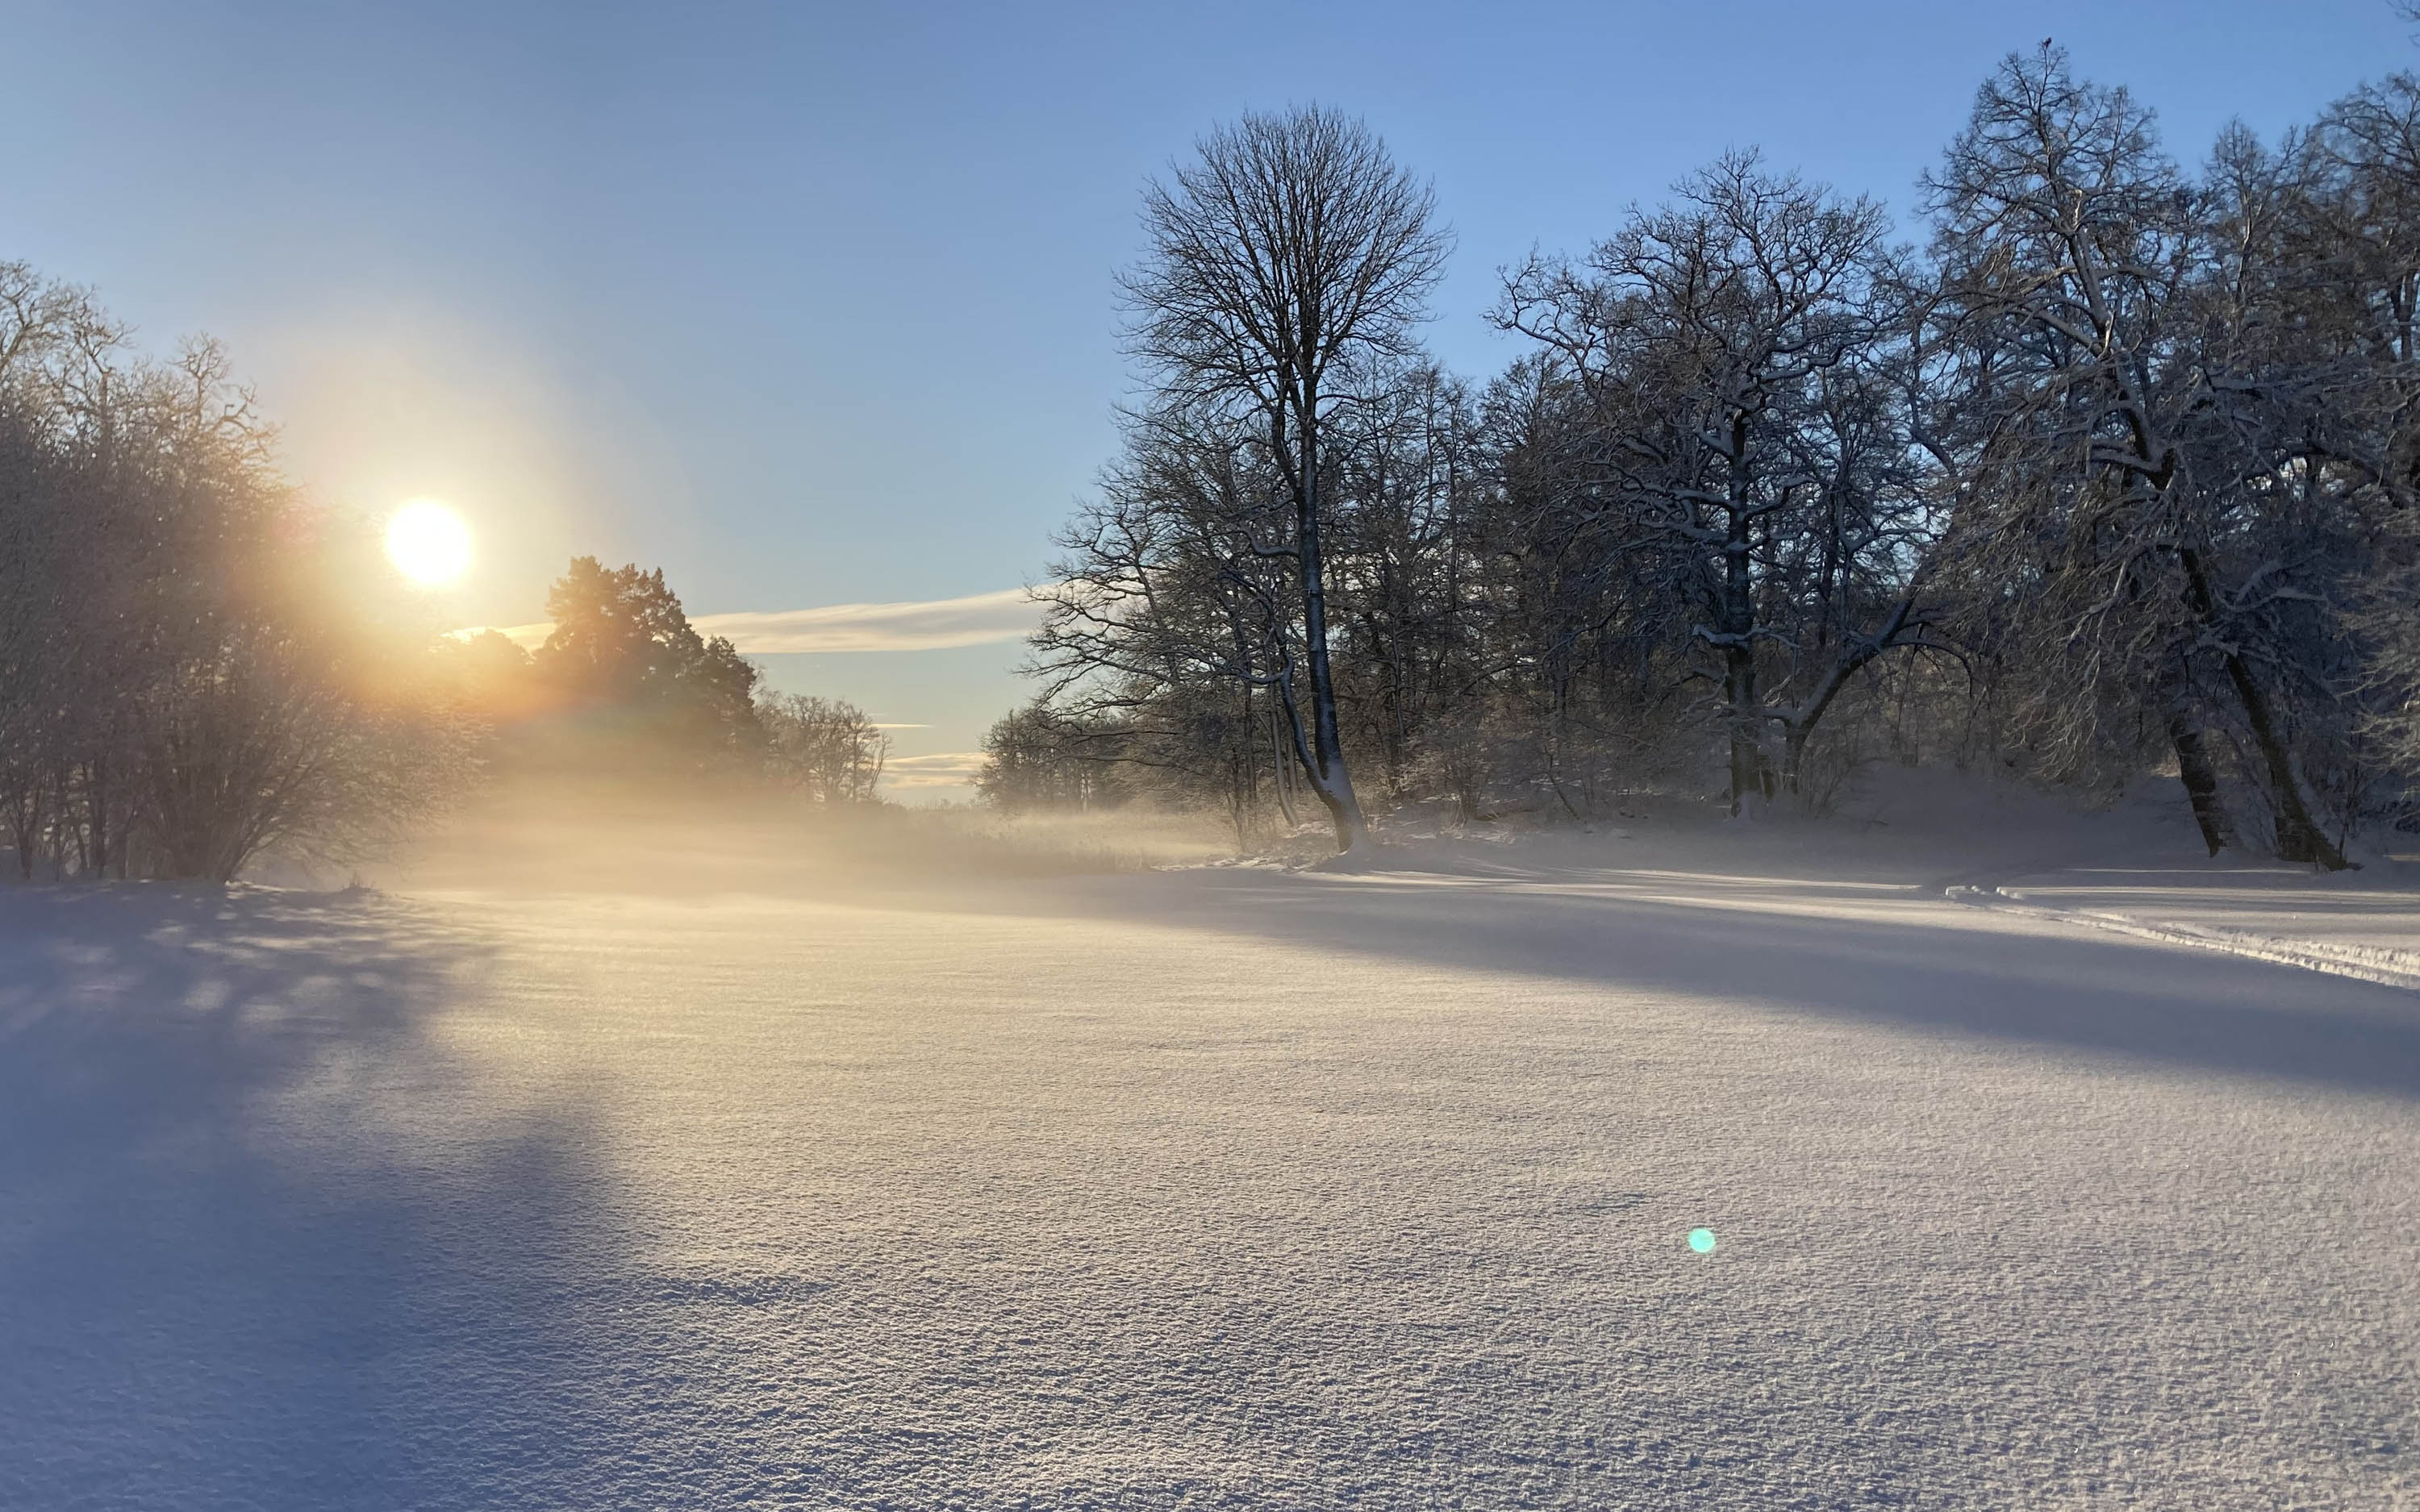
[428,543]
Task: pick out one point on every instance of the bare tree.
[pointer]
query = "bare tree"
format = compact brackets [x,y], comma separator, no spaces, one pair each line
[826,748]
[1041,758]
[2351,273]
[1732,353]
[1167,635]
[1291,250]
[180,685]
[2109,482]
[1410,471]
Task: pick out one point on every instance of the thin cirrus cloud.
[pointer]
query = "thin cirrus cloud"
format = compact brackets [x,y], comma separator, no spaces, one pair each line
[925,625]
[950,770]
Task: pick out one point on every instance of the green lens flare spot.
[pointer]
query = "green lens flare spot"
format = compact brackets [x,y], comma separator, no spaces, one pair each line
[1702,1241]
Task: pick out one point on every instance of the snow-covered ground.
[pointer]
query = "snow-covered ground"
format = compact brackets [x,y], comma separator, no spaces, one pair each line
[2356,925]
[636,1186]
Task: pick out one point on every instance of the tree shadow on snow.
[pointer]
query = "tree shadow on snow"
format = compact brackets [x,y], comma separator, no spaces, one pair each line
[261,1243]
[1802,947]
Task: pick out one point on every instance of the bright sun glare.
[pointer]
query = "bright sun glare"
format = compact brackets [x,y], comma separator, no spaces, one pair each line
[428,543]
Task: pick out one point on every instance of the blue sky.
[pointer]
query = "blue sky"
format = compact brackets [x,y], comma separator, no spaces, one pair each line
[811,304]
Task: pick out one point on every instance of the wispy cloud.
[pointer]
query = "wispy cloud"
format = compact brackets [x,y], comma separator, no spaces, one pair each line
[923,624]
[954,769]
[929,624]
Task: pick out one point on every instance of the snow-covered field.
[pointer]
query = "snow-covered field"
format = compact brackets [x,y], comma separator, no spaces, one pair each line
[1217,1187]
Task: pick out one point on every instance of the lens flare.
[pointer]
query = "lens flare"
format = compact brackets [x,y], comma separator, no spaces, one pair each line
[1702,1241]
[428,543]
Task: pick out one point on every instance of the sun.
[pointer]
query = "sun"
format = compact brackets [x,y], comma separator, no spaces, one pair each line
[428,543]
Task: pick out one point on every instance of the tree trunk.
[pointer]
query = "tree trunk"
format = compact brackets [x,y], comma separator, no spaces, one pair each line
[1462,774]
[1739,693]
[2200,777]
[25,824]
[1280,777]
[1794,756]
[1328,777]
[1739,645]
[2299,836]
[97,781]
[1799,727]
[1738,627]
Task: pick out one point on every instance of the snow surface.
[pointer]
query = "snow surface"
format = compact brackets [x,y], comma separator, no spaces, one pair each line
[1210,1188]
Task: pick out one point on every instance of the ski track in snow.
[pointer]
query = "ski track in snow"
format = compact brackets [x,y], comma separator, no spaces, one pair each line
[2382,964]
[1212,1189]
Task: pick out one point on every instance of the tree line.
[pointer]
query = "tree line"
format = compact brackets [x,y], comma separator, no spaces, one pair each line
[2114,472]
[197,664]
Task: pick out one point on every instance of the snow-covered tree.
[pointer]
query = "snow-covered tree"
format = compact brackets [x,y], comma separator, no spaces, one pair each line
[1740,432]
[2130,521]
[1287,256]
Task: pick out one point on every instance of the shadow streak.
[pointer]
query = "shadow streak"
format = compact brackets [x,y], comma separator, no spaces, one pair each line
[1767,945]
